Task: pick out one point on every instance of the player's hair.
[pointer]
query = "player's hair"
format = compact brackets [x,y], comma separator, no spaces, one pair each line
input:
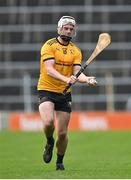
[67,20]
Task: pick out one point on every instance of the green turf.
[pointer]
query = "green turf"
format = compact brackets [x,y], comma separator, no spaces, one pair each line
[89,155]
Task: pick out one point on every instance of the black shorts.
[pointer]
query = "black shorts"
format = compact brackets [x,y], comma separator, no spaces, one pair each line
[61,102]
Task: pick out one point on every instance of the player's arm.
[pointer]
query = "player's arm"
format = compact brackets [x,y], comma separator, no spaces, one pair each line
[91,80]
[51,71]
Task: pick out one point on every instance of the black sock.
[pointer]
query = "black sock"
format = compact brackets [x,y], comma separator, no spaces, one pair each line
[59,158]
[50,140]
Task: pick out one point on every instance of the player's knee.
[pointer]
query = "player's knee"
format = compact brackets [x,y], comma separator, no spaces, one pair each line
[62,136]
[49,123]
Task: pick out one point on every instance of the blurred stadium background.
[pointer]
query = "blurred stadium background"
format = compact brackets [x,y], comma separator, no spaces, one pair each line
[26,24]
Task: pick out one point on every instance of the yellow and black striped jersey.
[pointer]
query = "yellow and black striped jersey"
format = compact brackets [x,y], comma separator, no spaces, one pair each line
[65,57]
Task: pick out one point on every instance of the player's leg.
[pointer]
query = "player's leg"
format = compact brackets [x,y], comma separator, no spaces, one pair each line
[62,141]
[46,110]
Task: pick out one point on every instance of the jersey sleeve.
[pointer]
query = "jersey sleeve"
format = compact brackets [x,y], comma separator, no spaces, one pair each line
[47,52]
[78,57]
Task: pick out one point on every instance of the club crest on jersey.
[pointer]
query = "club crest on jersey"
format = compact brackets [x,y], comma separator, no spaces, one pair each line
[72,51]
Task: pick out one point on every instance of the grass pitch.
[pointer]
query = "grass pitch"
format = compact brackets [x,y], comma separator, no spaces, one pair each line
[89,155]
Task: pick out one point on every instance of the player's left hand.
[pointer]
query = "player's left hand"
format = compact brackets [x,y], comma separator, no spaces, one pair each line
[72,79]
[91,81]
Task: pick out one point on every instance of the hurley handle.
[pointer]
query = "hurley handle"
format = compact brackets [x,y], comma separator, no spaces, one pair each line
[77,75]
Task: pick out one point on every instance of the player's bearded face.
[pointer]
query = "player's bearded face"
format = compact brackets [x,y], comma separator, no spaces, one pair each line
[67,32]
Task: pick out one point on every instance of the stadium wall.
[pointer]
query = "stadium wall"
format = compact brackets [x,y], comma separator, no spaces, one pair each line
[84,121]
